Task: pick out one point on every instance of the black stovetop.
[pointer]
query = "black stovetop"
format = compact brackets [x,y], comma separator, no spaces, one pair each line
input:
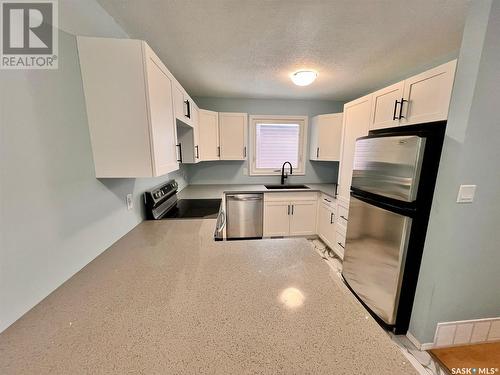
[194,208]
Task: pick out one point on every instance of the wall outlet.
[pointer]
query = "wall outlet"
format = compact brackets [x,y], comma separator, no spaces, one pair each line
[466,193]
[130,202]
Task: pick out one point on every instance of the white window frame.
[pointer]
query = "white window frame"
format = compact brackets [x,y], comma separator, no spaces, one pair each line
[303,132]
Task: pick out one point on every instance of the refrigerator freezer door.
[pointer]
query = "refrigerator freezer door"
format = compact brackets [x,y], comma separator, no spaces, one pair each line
[374,258]
[389,166]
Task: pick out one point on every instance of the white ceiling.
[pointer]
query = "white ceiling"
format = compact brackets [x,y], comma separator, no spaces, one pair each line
[249,48]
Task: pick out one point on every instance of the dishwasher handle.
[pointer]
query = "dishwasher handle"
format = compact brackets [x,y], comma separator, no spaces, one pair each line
[245,197]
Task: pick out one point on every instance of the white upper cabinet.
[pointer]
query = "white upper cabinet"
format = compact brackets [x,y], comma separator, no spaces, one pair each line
[419,99]
[233,129]
[356,124]
[386,105]
[128,95]
[184,105]
[326,137]
[208,134]
[427,95]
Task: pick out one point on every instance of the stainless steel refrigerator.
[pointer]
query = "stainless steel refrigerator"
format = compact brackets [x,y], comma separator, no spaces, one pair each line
[392,185]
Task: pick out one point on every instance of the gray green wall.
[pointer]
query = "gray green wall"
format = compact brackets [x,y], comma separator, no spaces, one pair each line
[460,272]
[55,215]
[234,172]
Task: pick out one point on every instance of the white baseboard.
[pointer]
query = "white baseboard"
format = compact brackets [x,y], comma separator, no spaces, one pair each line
[466,332]
[418,345]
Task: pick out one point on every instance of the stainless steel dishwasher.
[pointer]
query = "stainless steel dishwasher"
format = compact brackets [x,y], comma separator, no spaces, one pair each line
[244,215]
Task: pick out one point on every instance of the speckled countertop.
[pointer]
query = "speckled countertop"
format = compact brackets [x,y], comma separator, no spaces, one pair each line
[216,191]
[168,299]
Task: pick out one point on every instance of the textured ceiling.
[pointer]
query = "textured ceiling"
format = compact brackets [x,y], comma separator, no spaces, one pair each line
[249,48]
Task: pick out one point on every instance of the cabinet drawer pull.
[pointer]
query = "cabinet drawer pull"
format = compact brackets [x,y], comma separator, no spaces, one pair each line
[342,246]
[331,218]
[343,217]
[328,200]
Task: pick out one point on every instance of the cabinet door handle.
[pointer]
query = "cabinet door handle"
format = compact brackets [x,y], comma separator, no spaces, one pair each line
[343,217]
[401,108]
[197,151]
[218,151]
[328,200]
[245,151]
[188,108]
[395,109]
[317,152]
[180,153]
[342,246]
[331,217]
[292,208]
[288,210]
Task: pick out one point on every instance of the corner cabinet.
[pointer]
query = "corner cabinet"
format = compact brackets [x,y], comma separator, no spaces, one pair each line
[130,109]
[290,214]
[326,137]
[422,98]
[222,136]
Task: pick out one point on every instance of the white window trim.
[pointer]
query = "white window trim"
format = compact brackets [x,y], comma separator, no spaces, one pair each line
[254,119]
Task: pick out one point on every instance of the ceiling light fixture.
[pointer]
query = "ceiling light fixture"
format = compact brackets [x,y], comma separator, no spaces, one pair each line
[304,77]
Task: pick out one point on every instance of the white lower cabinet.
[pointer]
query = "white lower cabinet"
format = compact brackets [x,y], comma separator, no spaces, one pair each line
[290,214]
[276,219]
[326,224]
[303,218]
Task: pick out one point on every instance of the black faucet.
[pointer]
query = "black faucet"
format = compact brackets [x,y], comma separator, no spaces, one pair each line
[283,177]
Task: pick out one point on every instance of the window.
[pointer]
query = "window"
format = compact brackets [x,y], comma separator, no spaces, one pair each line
[276,139]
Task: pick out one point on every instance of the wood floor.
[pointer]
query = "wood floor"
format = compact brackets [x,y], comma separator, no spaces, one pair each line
[469,356]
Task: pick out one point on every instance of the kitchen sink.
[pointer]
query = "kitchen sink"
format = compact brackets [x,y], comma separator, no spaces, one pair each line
[275,187]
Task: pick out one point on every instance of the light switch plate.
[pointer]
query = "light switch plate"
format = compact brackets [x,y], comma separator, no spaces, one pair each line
[466,193]
[130,202]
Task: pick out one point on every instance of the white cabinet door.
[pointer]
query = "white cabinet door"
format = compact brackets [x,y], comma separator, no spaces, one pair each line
[326,137]
[233,136]
[356,123]
[162,122]
[179,103]
[428,95]
[196,126]
[326,224]
[276,219]
[386,106]
[303,218]
[208,133]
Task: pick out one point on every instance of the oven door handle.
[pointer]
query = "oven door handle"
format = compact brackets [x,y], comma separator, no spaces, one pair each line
[221,220]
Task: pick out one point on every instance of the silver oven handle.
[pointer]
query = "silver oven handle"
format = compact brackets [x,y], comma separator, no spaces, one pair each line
[221,220]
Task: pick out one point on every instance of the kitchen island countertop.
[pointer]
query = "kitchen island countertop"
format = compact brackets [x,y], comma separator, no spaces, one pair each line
[166,298]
